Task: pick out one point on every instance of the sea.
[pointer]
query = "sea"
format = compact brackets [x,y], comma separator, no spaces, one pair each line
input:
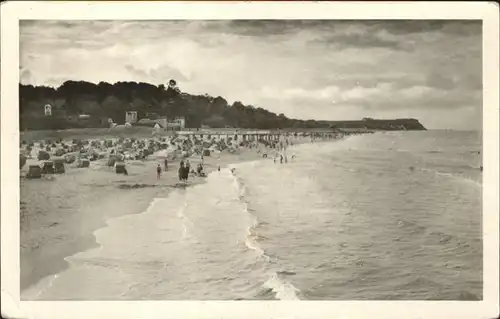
[384,216]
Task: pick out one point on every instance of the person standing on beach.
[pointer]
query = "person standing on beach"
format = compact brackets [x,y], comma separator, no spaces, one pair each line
[188,167]
[166,164]
[181,171]
[186,170]
[158,171]
[202,158]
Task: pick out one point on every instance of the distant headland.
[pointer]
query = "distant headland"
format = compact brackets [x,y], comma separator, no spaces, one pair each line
[80,104]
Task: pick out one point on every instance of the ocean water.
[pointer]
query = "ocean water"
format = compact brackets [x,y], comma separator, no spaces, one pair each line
[381,216]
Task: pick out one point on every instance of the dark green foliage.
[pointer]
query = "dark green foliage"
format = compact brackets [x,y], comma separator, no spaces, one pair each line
[103,101]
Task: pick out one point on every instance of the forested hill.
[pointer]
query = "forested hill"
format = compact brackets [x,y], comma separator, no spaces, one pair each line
[102,101]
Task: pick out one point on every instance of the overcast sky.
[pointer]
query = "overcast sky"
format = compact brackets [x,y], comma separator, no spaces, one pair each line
[325,70]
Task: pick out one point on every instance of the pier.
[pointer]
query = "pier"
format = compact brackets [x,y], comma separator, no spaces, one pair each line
[269,135]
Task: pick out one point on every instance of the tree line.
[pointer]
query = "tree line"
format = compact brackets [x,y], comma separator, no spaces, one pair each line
[104,100]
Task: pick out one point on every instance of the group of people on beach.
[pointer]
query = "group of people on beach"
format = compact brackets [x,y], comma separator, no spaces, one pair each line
[183,171]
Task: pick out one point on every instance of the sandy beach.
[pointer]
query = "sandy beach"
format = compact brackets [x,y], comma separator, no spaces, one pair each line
[59,213]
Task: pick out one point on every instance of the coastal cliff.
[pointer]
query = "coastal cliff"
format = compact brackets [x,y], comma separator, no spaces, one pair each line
[405,124]
[88,105]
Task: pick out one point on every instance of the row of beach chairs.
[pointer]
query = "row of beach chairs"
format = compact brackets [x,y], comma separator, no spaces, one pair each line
[55,166]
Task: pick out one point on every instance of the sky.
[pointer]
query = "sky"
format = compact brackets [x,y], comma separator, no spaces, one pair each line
[307,69]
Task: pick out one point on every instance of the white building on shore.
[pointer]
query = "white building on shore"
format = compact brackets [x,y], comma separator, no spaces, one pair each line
[48,110]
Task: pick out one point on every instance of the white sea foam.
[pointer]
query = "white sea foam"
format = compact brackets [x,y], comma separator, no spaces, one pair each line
[283,290]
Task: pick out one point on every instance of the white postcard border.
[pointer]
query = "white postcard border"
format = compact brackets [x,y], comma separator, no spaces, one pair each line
[12,12]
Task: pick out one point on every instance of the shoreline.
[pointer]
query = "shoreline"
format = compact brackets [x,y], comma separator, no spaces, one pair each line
[62,236]
[121,199]
[42,263]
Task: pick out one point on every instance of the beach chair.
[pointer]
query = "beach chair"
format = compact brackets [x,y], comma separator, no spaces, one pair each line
[120,168]
[34,171]
[59,166]
[48,167]
[83,163]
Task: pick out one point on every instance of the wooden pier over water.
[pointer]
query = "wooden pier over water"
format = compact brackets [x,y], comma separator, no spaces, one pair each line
[270,135]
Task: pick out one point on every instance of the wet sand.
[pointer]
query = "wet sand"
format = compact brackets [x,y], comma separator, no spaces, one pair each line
[59,214]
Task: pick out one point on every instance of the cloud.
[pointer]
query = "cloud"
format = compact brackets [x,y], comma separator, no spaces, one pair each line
[302,68]
[368,41]
[160,74]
